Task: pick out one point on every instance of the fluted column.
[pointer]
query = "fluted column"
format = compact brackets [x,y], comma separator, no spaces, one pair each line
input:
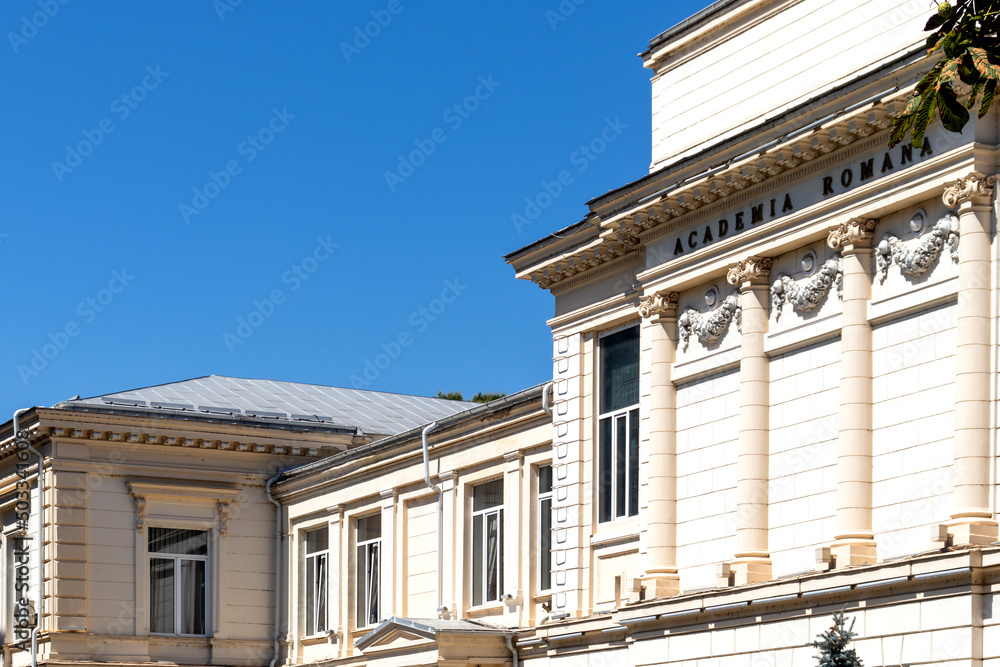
[661,578]
[855,539]
[752,560]
[972,519]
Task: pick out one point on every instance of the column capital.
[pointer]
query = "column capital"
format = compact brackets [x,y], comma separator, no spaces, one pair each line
[857,232]
[660,304]
[976,188]
[752,270]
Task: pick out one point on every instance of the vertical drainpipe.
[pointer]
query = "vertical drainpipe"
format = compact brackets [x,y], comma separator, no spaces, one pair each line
[440,512]
[277,569]
[39,597]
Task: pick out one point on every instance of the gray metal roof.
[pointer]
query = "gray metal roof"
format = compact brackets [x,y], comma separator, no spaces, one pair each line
[222,397]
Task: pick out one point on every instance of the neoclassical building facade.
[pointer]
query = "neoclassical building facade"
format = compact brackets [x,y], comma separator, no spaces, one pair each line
[773,397]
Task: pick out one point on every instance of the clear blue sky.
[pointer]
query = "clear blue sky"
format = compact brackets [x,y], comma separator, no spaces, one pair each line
[167,171]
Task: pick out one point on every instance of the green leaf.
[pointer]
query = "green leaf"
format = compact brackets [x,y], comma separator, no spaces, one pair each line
[976,89]
[982,62]
[935,21]
[948,72]
[953,114]
[923,116]
[901,124]
[988,92]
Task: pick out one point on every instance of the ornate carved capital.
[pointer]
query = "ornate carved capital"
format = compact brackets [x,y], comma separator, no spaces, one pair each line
[976,188]
[752,269]
[856,231]
[661,304]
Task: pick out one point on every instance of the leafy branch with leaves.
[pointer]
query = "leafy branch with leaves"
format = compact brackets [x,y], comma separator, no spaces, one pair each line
[966,36]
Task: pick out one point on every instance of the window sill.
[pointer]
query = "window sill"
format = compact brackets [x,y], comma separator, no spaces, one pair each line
[488,609]
[615,532]
[545,596]
[312,640]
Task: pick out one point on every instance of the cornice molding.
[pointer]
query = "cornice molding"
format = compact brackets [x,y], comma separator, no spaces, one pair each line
[146,438]
[624,233]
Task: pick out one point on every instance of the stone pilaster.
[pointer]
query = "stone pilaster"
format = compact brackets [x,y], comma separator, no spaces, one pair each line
[660,576]
[854,541]
[972,520]
[752,560]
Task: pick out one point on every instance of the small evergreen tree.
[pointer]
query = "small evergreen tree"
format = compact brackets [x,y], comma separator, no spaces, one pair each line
[832,644]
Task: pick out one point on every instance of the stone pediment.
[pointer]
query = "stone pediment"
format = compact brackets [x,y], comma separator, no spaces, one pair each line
[429,641]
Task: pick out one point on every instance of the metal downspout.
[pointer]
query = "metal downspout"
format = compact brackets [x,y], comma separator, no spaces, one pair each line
[440,512]
[277,569]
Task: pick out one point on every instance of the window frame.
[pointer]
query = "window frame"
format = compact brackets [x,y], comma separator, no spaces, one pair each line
[178,583]
[319,588]
[617,487]
[363,594]
[482,517]
[544,525]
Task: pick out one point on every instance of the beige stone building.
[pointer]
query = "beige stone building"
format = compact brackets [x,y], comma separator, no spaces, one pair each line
[159,536]
[773,396]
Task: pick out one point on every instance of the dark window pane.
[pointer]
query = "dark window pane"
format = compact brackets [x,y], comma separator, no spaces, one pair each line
[544,479]
[374,581]
[193,596]
[161,595]
[633,463]
[178,541]
[370,528]
[317,540]
[619,369]
[620,444]
[477,560]
[604,471]
[545,544]
[360,594]
[322,586]
[492,557]
[485,496]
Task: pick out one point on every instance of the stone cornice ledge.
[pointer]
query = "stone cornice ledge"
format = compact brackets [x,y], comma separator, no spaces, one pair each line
[621,232]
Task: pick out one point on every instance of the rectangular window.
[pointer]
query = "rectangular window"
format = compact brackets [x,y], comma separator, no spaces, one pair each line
[369,554]
[618,426]
[178,561]
[544,528]
[487,542]
[317,580]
